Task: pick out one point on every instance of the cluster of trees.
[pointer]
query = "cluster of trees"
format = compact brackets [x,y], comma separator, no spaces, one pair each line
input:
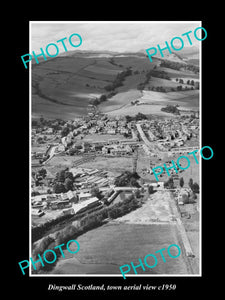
[67,129]
[40,248]
[169,184]
[179,80]
[194,189]
[120,77]
[158,89]
[137,117]
[179,88]
[189,82]
[41,229]
[193,186]
[171,109]
[151,190]
[39,176]
[121,208]
[192,68]
[63,182]
[41,245]
[127,179]
[101,99]
[160,74]
[172,89]
[48,242]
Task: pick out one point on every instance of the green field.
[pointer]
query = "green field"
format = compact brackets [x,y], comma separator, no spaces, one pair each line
[152,101]
[119,101]
[179,73]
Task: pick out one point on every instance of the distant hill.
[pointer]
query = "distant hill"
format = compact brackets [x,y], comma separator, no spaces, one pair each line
[190,55]
[186,55]
[91,54]
[189,52]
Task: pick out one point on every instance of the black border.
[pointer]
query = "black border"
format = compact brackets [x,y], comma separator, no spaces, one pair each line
[185,285]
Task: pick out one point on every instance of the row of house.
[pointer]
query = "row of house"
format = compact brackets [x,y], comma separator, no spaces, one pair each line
[117,150]
[170,133]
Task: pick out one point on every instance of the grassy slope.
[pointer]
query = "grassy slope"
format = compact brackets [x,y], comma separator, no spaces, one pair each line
[62,87]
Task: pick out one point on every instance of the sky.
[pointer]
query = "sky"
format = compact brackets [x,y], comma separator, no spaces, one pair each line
[113,36]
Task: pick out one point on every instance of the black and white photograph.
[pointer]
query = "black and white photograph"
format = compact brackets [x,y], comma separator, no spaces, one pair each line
[115,149]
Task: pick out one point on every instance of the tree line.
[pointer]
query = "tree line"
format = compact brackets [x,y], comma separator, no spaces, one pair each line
[118,81]
[110,88]
[178,65]
[84,224]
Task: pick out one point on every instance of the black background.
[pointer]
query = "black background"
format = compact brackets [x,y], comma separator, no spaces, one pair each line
[211,127]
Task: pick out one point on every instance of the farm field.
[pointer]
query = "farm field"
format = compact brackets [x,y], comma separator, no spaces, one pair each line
[179,73]
[152,102]
[105,249]
[168,84]
[188,99]
[120,100]
[132,110]
[130,237]
[63,87]
[51,110]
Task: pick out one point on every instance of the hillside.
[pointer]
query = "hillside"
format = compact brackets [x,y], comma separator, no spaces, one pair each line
[185,56]
[64,86]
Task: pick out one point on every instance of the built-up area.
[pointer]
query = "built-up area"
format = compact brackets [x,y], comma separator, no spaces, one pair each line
[79,190]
